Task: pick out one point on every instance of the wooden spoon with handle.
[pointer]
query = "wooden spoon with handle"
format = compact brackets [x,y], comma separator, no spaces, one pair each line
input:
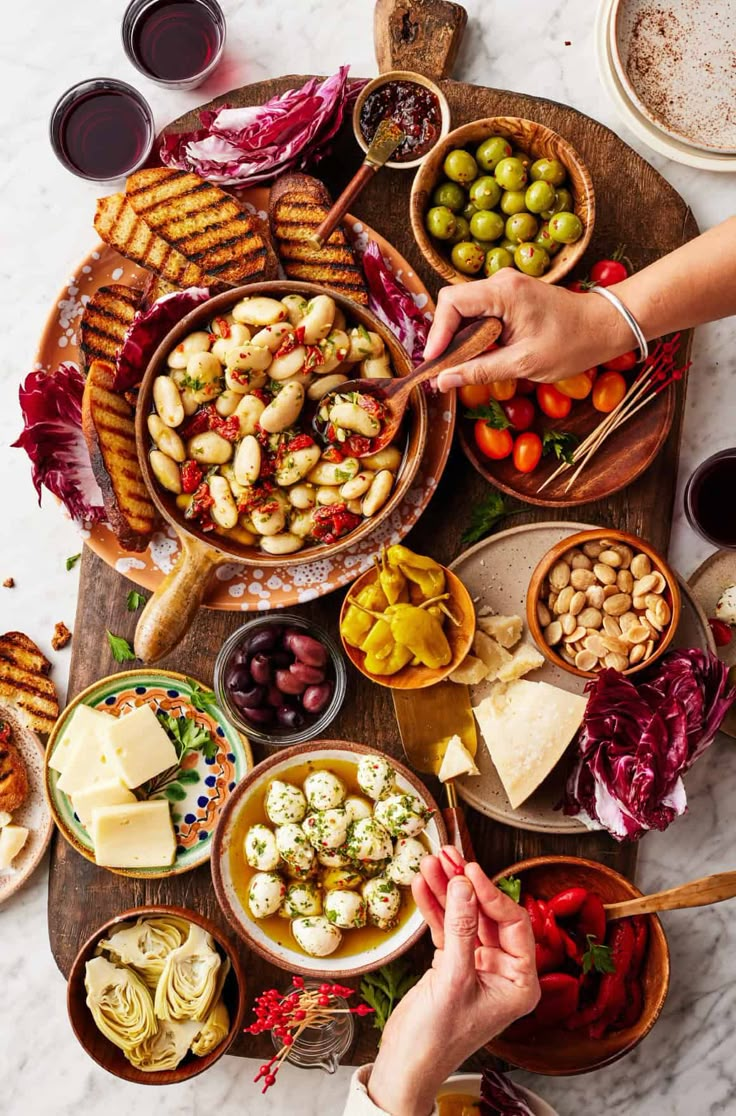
[697,893]
[467,343]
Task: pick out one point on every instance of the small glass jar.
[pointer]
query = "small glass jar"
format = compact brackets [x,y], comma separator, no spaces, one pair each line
[102,129]
[275,735]
[321,1047]
[709,499]
[160,36]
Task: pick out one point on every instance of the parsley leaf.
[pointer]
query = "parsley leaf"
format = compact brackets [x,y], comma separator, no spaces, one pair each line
[187,736]
[72,560]
[383,989]
[492,413]
[561,443]
[200,699]
[484,516]
[135,600]
[511,885]
[598,957]
[122,652]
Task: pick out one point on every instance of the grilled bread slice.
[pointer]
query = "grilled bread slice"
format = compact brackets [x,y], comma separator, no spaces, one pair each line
[105,321]
[107,424]
[201,221]
[156,288]
[119,226]
[24,680]
[297,206]
[13,777]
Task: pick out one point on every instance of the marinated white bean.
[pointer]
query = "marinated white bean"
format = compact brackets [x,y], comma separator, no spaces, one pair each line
[224,508]
[209,448]
[166,439]
[259,311]
[167,401]
[165,471]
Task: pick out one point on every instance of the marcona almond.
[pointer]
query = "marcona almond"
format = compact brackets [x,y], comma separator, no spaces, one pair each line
[650,615]
[592,549]
[569,555]
[568,623]
[637,633]
[617,604]
[628,620]
[661,610]
[609,591]
[605,574]
[586,660]
[544,616]
[595,596]
[590,618]
[553,633]
[639,603]
[581,562]
[616,662]
[582,579]
[562,604]
[648,648]
[645,585]
[625,581]
[626,553]
[552,601]
[559,575]
[577,603]
[660,584]
[610,558]
[636,654]
[568,656]
[611,626]
[574,636]
[595,644]
[615,644]
[640,565]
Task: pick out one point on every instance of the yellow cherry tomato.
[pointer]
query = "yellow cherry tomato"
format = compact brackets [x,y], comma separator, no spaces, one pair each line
[608,391]
[503,389]
[576,387]
[474,395]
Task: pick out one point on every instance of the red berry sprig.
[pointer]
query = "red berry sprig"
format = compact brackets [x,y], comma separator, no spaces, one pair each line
[288,1015]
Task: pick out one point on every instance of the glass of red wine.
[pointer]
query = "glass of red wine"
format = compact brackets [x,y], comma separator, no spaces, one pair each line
[177,43]
[102,129]
[710,499]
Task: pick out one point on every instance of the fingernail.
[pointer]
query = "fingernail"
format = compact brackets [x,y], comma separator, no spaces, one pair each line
[462,889]
[449,861]
[448,380]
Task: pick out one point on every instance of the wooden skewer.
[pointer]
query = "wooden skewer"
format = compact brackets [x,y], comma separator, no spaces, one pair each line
[696,893]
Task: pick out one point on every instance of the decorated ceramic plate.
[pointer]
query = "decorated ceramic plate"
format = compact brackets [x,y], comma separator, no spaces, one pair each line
[233,586]
[34,814]
[496,572]
[196,791]
[715,574]
[468,1085]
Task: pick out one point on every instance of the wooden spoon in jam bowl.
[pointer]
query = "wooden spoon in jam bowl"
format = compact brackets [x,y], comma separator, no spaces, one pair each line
[380,429]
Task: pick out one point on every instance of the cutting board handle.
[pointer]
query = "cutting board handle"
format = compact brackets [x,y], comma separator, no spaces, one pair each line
[419,35]
[170,612]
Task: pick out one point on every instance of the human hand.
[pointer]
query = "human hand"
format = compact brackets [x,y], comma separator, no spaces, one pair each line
[483,977]
[549,332]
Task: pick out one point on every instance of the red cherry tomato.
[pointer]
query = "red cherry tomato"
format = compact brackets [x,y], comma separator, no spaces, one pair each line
[474,395]
[578,285]
[576,387]
[722,633]
[503,389]
[608,391]
[623,363]
[607,272]
[527,452]
[525,387]
[495,444]
[554,404]
[520,412]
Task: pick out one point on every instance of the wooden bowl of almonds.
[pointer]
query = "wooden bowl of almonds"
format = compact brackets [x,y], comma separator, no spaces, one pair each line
[603,598]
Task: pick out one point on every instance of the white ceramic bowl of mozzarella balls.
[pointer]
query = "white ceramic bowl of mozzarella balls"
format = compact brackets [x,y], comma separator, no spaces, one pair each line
[314,857]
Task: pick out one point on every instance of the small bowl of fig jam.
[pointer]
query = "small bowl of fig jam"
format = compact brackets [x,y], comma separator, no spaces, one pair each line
[280,679]
[414,102]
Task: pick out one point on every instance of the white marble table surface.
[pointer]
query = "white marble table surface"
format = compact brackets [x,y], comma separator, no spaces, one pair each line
[687,1064]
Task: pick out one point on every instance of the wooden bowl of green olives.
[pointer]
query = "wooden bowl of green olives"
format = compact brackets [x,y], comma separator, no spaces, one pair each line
[502,192]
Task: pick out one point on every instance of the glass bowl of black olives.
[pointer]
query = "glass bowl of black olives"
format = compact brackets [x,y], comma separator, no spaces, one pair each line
[281,679]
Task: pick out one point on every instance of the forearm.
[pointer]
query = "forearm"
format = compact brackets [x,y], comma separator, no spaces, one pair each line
[690,286]
[404,1080]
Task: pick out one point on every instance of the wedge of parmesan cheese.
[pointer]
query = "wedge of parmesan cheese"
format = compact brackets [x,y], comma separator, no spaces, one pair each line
[524,659]
[470,672]
[527,726]
[506,630]
[492,654]
[457,760]
[12,840]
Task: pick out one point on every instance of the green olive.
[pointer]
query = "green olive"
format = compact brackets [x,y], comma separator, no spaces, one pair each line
[461,167]
[565,228]
[469,210]
[539,196]
[563,203]
[544,240]
[468,257]
[462,230]
[511,174]
[521,226]
[509,245]
[496,259]
[441,222]
[484,245]
[486,225]
[451,195]
[513,201]
[485,192]
[531,259]
[548,170]
[522,157]
[492,151]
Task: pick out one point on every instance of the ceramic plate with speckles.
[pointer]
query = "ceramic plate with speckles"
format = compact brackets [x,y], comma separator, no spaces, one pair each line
[196,791]
[715,574]
[34,815]
[677,60]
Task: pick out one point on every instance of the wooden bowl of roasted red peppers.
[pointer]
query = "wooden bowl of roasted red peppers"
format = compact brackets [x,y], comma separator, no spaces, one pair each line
[603,983]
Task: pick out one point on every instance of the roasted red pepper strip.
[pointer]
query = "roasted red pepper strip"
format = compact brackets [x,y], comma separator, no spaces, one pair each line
[530,905]
[592,919]
[641,937]
[634,1006]
[615,1006]
[571,947]
[612,986]
[559,999]
[547,959]
[552,935]
[567,903]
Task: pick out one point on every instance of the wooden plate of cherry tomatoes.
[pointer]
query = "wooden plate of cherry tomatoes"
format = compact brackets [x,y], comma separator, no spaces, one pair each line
[516,433]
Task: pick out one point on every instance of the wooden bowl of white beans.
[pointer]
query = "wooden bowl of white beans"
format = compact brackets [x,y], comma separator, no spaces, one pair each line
[226,446]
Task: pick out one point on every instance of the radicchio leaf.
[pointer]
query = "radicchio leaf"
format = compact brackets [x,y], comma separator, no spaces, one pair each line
[392,302]
[500,1097]
[244,146]
[636,743]
[147,331]
[52,437]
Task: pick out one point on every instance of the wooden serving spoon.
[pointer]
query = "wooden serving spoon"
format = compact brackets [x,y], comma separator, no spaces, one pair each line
[697,893]
[469,342]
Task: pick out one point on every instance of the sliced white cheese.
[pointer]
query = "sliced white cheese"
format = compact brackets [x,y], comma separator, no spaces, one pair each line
[524,659]
[134,836]
[88,760]
[84,722]
[110,793]
[139,746]
[527,727]
[492,654]
[506,630]
[12,840]
[457,760]
[726,607]
[470,672]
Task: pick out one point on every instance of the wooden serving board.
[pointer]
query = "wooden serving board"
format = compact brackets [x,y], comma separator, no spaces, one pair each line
[651,219]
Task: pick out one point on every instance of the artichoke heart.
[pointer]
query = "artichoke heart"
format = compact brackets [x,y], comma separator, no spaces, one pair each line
[146,944]
[215,1029]
[165,1049]
[188,983]
[120,1004]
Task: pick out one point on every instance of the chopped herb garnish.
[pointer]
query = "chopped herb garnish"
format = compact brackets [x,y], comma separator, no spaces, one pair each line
[121,650]
[72,560]
[511,886]
[135,600]
[561,443]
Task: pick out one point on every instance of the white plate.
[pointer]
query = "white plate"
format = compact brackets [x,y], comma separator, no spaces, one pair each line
[34,814]
[496,572]
[645,131]
[470,1083]
[707,583]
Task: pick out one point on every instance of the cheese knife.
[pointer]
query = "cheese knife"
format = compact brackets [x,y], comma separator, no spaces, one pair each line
[427,719]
